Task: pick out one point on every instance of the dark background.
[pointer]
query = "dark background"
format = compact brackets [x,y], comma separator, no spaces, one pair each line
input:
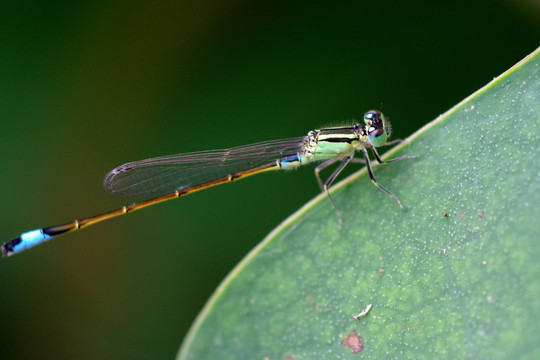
[87,86]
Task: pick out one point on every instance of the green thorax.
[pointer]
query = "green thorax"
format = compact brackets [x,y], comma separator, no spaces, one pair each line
[335,142]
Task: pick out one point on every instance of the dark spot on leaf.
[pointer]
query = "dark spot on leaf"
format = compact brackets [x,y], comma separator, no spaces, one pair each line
[481,215]
[354,342]
[310,299]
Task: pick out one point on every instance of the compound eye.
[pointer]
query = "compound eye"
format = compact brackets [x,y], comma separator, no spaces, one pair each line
[376,130]
[372,116]
[377,136]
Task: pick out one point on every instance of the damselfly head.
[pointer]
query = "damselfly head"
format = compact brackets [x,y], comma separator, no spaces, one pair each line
[378,128]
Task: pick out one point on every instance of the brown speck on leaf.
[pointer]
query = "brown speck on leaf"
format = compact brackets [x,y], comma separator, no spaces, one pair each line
[445,214]
[354,342]
[461,216]
[289,358]
[310,299]
[481,215]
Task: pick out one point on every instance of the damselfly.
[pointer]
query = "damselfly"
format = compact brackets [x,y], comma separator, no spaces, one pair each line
[173,176]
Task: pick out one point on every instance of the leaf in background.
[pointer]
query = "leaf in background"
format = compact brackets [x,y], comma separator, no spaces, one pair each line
[453,277]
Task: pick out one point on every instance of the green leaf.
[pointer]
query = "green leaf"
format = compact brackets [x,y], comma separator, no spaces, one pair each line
[455,276]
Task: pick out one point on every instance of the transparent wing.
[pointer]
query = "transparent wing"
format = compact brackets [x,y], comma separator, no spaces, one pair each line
[163,175]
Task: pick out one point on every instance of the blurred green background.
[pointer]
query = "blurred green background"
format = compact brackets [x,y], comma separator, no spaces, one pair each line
[87,86]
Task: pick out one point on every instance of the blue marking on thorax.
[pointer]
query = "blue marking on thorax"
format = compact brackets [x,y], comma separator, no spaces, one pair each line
[30,239]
